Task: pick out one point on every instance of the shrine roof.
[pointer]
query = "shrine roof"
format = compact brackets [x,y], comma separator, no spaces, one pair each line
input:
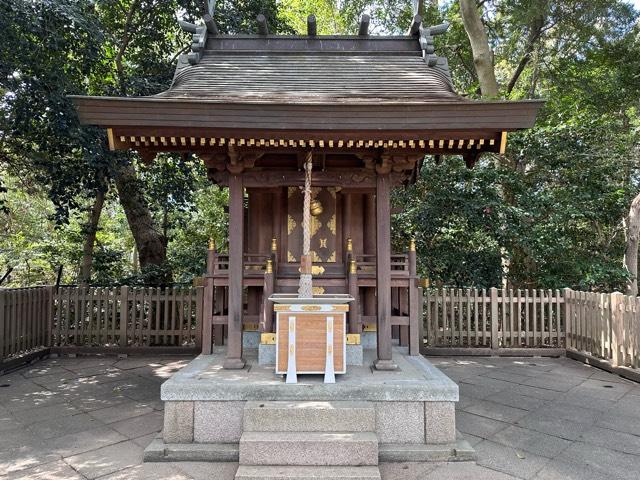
[332,69]
[297,87]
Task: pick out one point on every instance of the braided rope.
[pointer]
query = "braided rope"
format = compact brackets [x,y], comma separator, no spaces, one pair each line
[305,289]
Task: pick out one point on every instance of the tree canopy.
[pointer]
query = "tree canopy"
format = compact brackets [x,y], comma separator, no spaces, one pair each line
[553,212]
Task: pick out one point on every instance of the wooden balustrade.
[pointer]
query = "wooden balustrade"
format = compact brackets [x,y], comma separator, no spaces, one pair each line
[25,320]
[127,317]
[494,318]
[594,327]
[99,319]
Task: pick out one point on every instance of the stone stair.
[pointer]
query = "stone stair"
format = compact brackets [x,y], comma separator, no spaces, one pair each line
[308,440]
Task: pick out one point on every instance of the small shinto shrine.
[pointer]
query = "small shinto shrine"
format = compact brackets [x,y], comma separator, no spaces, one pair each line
[363,111]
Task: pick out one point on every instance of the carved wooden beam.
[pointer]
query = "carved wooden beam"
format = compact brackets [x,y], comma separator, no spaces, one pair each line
[356,178]
[233,160]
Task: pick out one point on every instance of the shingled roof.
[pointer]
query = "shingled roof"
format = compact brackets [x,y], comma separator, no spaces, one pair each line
[320,69]
[303,86]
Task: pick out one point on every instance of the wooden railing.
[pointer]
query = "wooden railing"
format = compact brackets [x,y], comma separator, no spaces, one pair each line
[127,317]
[604,327]
[594,327]
[494,318]
[25,320]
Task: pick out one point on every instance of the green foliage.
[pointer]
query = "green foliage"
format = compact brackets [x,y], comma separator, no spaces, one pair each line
[549,214]
[47,50]
[456,222]
[208,220]
[570,205]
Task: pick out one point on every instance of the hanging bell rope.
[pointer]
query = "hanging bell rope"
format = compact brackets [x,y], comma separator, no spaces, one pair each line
[305,289]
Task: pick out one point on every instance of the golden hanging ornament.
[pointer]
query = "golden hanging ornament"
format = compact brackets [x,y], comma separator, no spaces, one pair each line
[316,208]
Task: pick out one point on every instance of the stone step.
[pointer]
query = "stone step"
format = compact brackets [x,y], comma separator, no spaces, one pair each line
[337,416]
[246,472]
[309,448]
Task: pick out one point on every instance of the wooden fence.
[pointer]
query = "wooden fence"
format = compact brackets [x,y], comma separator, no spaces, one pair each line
[603,329]
[25,320]
[494,319]
[594,327]
[127,317]
[99,319]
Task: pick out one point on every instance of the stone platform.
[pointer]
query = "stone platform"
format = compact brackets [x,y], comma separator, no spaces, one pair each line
[212,414]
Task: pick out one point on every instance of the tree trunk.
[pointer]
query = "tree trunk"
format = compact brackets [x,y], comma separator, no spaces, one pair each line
[420,7]
[631,249]
[535,31]
[482,54]
[91,230]
[149,242]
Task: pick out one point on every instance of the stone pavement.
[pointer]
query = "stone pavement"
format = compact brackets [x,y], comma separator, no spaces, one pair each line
[91,417]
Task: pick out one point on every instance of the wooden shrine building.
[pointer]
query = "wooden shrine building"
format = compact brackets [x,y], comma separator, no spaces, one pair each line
[252,107]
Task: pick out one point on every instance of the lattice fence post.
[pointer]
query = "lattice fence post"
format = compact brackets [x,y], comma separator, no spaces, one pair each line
[617,328]
[495,341]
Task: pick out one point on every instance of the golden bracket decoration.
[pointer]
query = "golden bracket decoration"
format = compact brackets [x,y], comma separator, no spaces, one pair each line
[315,270]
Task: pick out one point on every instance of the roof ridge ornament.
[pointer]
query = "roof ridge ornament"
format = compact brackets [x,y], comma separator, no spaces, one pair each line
[200,32]
[312,26]
[427,35]
[263,26]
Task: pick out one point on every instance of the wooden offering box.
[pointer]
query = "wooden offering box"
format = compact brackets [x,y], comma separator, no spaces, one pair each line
[310,325]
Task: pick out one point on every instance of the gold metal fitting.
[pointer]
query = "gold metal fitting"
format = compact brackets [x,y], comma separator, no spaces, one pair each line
[317,270]
[316,208]
[425,283]
[353,339]
[269,267]
[212,244]
[268,338]
[412,244]
[349,245]
[274,244]
[353,268]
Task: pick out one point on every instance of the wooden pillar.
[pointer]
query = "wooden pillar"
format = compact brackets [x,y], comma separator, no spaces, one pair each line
[236,226]
[276,203]
[218,309]
[383,272]
[403,311]
[355,324]
[207,307]
[415,319]
[369,224]
[266,314]
[346,216]
[369,246]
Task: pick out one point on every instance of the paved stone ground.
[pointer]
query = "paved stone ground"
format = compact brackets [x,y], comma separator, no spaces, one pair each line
[91,417]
